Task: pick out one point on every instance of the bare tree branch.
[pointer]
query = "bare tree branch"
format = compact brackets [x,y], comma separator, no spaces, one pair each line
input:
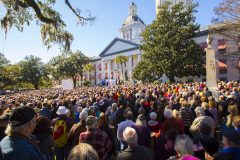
[77,12]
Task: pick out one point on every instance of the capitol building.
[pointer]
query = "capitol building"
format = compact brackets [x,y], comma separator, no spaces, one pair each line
[106,69]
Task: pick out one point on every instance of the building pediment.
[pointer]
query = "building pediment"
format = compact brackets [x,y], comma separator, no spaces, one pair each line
[117,46]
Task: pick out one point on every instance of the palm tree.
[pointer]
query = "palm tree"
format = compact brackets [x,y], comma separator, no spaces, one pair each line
[88,68]
[120,60]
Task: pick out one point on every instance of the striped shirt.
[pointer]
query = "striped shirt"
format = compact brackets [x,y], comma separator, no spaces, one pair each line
[187,116]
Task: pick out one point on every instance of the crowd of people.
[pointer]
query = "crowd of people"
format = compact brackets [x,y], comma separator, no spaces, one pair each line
[178,121]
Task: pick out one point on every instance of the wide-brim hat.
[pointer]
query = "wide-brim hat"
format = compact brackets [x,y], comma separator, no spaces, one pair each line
[62,110]
[231,134]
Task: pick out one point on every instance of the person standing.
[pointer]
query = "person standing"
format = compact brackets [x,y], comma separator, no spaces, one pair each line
[121,126]
[134,151]
[97,138]
[62,125]
[18,143]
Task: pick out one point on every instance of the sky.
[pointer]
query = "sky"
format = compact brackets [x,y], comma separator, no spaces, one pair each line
[91,39]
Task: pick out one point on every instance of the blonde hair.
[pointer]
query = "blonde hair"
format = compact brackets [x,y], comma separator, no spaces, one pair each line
[83,151]
[10,129]
[233,110]
[176,114]
[184,103]
[236,121]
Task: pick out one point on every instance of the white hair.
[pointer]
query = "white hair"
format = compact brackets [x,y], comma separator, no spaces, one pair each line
[153,116]
[184,145]
[167,113]
[83,115]
[199,110]
[130,135]
[114,105]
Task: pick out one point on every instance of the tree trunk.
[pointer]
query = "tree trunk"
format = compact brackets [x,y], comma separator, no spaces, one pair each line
[35,85]
[74,81]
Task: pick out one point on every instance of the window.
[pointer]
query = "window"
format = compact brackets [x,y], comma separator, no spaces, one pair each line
[222,64]
[222,46]
[222,51]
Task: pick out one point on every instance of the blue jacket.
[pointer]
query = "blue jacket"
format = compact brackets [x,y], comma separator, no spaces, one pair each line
[228,153]
[18,147]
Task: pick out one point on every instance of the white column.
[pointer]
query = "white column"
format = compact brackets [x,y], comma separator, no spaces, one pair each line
[130,67]
[139,58]
[103,71]
[114,70]
[109,69]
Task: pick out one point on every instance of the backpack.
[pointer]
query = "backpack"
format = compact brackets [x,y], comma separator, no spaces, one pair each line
[60,133]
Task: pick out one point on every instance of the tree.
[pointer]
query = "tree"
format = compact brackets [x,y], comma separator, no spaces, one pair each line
[168,44]
[88,68]
[145,72]
[19,13]
[69,65]
[4,79]
[13,76]
[121,60]
[32,70]
[227,20]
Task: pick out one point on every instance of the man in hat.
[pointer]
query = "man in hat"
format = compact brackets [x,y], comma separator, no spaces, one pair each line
[18,143]
[98,139]
[231,144]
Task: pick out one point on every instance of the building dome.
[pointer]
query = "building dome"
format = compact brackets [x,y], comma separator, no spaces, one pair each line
[132,25]
[132,15]
[132,19]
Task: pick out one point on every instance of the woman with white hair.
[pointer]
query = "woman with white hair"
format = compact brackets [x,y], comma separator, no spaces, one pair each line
[184,147]
[153,124]
[143,132]
[171,123]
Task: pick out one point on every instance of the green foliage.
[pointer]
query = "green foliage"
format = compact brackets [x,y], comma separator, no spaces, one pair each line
[86,83]
[19,13]
[145,72]
[4,79]
[68,65]
[88,68]
[32,70]
[168,46]
[121,60]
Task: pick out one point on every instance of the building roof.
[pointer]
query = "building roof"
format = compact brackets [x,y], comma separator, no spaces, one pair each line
[117,46]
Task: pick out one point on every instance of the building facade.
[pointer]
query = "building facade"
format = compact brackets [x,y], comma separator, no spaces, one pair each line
[106,69]
[127,45]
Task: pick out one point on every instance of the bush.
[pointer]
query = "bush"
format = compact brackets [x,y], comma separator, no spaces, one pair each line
[86,83]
